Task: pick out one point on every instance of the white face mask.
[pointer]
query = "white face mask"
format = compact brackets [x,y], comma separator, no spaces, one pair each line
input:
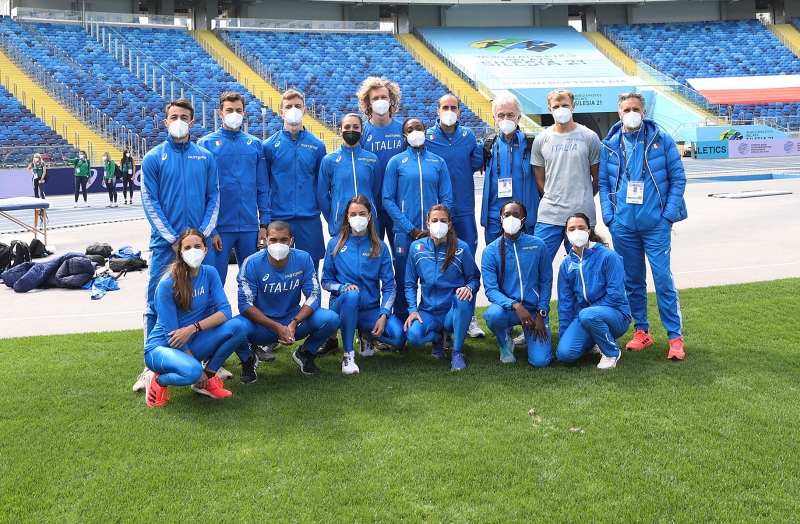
[439,230]
[562,115]
[193,257]
[105,159]
[448,118]
[178,129]
[293,116]
[416,138]
[358,223]
[632,120]
[380,107]
[512,225]
[82,156]
[37,160]
[507,126]
[278,251]
[233,120]
[578,238]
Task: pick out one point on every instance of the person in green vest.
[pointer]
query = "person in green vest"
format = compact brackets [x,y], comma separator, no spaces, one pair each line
[128,166]
[39,171]
[82,173]
[109,179]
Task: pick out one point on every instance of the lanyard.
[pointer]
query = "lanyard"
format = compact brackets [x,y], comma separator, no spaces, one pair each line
[633,151]
[510,156]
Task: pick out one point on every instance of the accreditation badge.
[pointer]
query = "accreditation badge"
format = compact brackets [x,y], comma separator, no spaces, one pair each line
[635,193]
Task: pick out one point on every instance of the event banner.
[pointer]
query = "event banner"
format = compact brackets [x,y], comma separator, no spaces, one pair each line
[750,132]
[768,147]
[61,181]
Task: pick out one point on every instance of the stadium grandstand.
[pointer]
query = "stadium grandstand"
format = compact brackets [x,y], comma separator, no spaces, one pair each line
[96,76]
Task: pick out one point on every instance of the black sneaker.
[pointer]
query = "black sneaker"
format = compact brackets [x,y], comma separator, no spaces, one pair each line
[263,355]
[330,347]
[249,367]
[305,360]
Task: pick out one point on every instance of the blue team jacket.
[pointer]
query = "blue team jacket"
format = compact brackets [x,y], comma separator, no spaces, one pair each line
[384,142]
[598,279]
[209,298]
[463,156]
[179,190]
[415,180]
[293,166]
[425,264]
[517,165]
[528,277]
[352,265]
[277,291]
[664,180]
[343,174]
[243,179]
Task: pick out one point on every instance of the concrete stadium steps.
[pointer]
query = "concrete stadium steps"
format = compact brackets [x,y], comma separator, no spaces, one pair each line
[257,85]
[612,52]
[464,91]
[788,36]
[621,60]
[53,109]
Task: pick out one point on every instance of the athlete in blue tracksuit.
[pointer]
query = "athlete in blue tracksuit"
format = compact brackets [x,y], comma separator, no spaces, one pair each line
[415,180]
[446,289]
[518,281]
[174,366]
[510,160]
[343,174]
[293,164]
[243,192]
[179,190]
[358,273]
[384,142]
[644,160]
[592,307]
[269,297]
[463,155]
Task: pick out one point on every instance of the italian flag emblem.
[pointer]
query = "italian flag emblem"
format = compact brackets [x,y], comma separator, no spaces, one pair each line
[218,143]
[420,247]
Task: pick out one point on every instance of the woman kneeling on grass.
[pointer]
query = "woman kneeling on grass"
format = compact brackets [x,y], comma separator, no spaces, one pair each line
[185,334]
[358,273]
[448,279]
[592,306]
[518,280]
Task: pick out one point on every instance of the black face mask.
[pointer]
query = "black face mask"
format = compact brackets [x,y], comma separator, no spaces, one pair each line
[351,138]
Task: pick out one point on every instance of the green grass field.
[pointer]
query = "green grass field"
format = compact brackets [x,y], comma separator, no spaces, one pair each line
[711,439]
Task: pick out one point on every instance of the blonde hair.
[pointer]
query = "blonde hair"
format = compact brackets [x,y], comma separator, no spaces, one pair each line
[558,94]
[293,93]
[375,82]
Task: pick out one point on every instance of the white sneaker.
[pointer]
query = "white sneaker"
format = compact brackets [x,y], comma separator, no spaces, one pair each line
[109,205]
[224,374]
[520,342]
[349,366]
[115,205]
[507,351]
[141,381]
[76,205]
[474,329]
[366,347]
[608,362]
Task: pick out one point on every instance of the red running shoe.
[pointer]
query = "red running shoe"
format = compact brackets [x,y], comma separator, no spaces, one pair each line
[214,389]
[641,339]
[156,394]
[676,351]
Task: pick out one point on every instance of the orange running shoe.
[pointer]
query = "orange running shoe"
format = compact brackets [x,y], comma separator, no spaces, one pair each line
[156,394]
[676,351]
[214,389]
[641,339]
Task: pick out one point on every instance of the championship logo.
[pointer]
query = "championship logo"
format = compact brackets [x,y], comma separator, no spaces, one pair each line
[731,134]
[509,44]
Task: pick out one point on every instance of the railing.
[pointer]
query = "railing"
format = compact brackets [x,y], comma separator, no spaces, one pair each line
[21,156]
[79,107]
[148,68]
[61,15]
[297,25]
[647,71]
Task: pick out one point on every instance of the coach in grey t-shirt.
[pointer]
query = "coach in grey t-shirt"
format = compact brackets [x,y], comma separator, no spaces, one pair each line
[566,160]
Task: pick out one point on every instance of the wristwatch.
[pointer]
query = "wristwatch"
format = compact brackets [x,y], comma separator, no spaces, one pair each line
[296,321]
[543,313]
